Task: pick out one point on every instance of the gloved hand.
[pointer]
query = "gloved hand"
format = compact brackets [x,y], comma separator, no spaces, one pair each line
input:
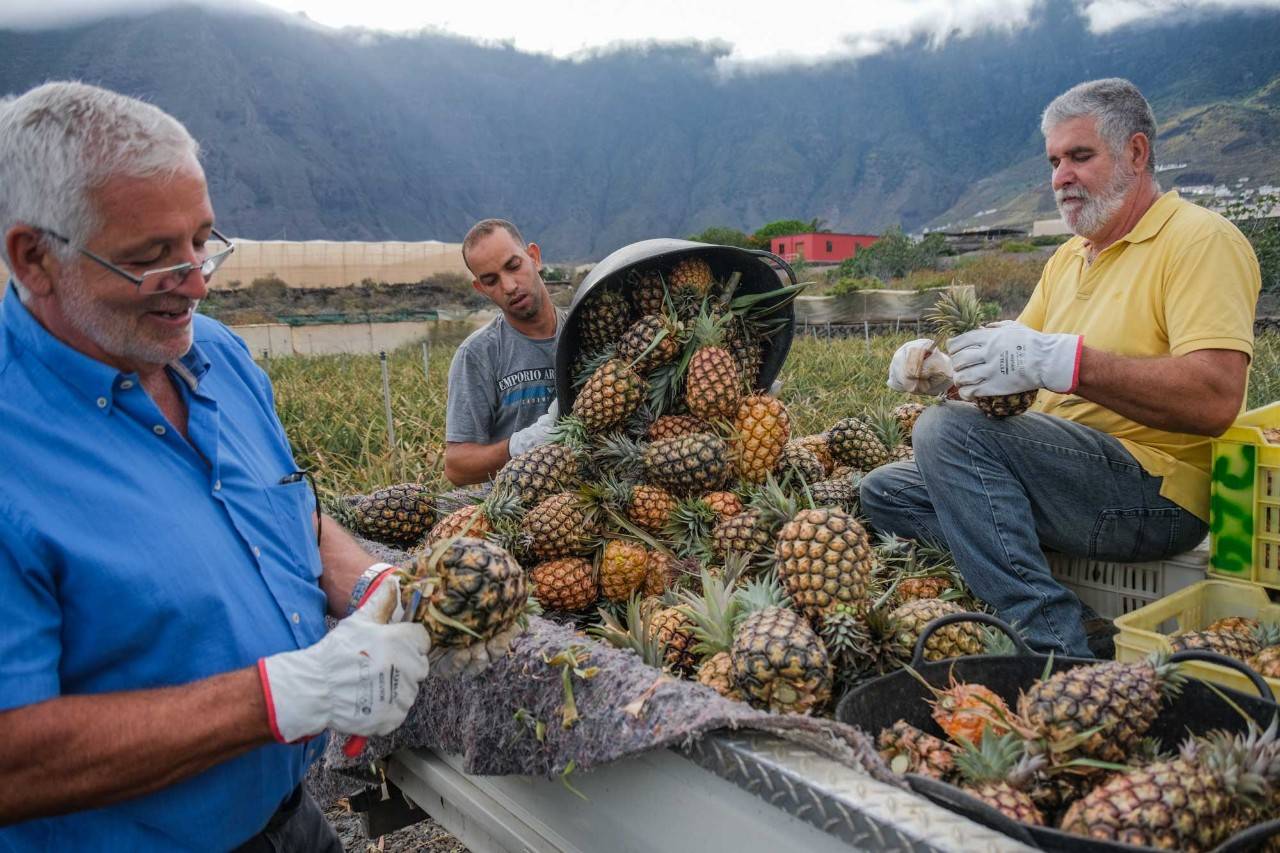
[1008,358]
[361,678]
[474,658]
[921,367]
[535,434]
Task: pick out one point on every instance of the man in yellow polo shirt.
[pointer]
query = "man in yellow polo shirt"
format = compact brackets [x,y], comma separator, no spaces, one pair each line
[1138,336]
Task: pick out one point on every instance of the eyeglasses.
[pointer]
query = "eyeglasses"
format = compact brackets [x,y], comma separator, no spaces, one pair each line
[166,278]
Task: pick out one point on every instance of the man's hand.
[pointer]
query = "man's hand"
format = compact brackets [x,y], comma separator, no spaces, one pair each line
[474,658]
[536,434]
[1009,358]
[921,367]
[361,678]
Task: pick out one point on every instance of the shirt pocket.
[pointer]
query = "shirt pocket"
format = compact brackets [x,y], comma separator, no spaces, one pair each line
[294,505]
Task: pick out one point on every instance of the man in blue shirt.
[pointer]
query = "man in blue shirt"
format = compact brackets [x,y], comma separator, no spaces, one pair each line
[164,579]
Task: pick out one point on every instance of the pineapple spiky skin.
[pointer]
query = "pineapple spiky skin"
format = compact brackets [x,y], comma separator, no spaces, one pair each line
[539,473]
[907,414]
[797,462]
[839,492]
[1231,644]
[716,672]
[819,444]
[779,663]
[604,319]
[761,430]
[1121,699]
[711,388]
[744,533]
[823,557]
[651,507]
[950,641]
[470,581]
[723,504]
[660,575]
[1267,662]
[692,273]
[674,631]
[464,521]
[396,515]
[609,397]
[624,565]
[673,426]
[687,464]
[638,346]
[854,443]
[647,292]
[1006,405]
[1234,625]
[566,584]
[907,749]
[562,525]
[915,589]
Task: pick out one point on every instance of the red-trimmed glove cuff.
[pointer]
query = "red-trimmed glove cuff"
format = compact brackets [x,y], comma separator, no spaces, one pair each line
[1075,370]
[271,704]
[366,584]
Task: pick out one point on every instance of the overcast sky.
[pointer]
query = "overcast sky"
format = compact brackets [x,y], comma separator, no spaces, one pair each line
[768,32]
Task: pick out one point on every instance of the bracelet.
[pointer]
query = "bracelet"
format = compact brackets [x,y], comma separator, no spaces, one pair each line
[361,589]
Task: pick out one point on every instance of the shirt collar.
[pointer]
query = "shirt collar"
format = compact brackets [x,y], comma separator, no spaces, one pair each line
[90,377]
[1148,226]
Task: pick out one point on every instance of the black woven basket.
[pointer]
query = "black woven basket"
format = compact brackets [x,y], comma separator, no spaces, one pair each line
[759,271]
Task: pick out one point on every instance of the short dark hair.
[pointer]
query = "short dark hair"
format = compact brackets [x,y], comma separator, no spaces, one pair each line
[484,228]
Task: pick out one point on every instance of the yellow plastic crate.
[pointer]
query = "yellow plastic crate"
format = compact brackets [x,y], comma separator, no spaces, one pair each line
[1191,609]
[1244,508]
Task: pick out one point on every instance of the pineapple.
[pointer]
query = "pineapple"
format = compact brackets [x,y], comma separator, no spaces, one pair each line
[823,556]
[547,468]
[907,749]
[723,504]
[950,641]
[850,645]
[1267,662]
[855,443]
[907,414]
[819,445]
[564,525]
[761,430]
[497,513]
[884,423]
[687,464]
[969,711]
[798,463]
[1240,646]
[958,312]
[672,426]
[998,772]
[634,635]
[711,388]
[661,573]
[646,505]
[751,532]
[647,291]
[471,590]
[716,672]
[917,588]
[692,273]
[603,318]
[1234,625]
[841,492]
[396,515]
[1120,700]
[609,397]
[674,631]
[779,663]
[651,342]
[566,584]
[624,566]
[713,614]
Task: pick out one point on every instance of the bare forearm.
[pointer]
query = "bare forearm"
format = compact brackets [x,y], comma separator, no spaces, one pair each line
[465,464]
[81,752]
[344,561]
[1189,394]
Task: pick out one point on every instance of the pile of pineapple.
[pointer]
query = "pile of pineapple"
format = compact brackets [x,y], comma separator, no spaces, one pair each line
[675,513]
[1241,637]
[1075,756]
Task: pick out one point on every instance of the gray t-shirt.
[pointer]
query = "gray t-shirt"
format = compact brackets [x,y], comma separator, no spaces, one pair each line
[500,382]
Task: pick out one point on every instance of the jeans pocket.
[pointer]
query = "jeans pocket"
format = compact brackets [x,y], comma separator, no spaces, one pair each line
[1135,535]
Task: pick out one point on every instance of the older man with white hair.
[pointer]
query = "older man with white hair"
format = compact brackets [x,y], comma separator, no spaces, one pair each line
[1138,338]
[164,576]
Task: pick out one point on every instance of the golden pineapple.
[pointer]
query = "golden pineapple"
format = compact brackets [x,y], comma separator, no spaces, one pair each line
[674,630]
[751,532]
[957,312]
[647,291]
[563,525]
[855,443]
[761,430]
[609,397]
[540,472]
[907,414]
[824,559]
[651,342]
[716,672]
[660,575]
[1234,625]
[651,507]
[396,515]
[566,584]
[950,641]
[723,504]
[469,582]
[915,589]
[819,445]
[671,426]
[464,521]
[711,388]
[1267,662]
[692,273]
[907,749]
[624,565]
[998,772]
[1239,645]
[687,464]
[779,663]
[602,320]
[798,463]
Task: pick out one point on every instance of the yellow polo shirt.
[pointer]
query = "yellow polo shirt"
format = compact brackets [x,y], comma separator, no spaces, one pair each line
[1184,279]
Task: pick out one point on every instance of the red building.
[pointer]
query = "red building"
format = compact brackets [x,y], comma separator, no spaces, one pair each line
[821,247]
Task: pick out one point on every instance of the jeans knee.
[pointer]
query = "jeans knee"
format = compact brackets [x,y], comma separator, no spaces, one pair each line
[943,425]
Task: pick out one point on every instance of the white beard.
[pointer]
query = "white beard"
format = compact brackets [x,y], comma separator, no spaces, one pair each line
[1091,217]
[116,332]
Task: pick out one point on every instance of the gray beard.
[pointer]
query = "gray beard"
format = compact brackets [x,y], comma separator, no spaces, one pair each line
[1098,208]
[114,333]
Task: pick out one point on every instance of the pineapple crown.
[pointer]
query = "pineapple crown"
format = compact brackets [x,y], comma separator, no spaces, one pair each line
[761,593]
[689,528]
[775,506]
[591,364]
[636,634]
[714,612]
[1170,676]
[886,426]
[619,456]
[709,328]
[998,758]
[956,312]
[571,432]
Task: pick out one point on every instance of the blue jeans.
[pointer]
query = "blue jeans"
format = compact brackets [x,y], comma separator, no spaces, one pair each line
[997,492]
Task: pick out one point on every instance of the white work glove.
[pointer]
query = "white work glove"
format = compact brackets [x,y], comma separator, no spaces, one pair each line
[921,367]
[535,434]
[474,658]
[360,679]
[1009,358]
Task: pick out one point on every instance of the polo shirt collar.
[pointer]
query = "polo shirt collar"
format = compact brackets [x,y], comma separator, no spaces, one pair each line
[90,377]
[1148,226]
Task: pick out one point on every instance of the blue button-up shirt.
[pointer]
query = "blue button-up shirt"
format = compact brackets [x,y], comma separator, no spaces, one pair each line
[131,558]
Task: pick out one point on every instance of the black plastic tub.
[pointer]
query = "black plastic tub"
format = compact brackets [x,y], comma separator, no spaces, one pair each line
[1199,709]
[760,274]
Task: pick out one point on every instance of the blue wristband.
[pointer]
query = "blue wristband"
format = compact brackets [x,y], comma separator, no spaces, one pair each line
[362,584]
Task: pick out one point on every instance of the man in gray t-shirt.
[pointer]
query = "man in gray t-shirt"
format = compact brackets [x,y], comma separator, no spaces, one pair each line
[503,379]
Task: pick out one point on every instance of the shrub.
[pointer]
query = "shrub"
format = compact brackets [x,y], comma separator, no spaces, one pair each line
[1004,279]
[269,286]
[1050,239]
[1016,246]
[848,284]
